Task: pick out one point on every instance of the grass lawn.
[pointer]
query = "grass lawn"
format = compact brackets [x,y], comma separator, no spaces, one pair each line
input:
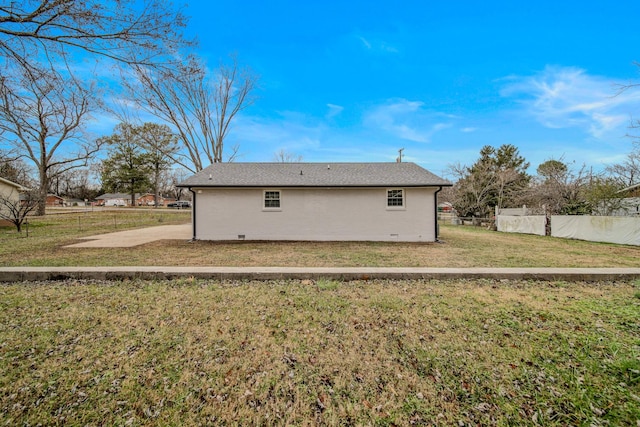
[462,247]
[385,353]
[320,353]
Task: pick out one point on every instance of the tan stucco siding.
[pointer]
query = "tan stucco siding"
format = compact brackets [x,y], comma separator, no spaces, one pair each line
[315,214]
[10,193]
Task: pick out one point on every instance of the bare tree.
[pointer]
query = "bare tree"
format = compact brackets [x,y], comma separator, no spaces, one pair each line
[559,189]
[176,176]
[41,114]
[472,193]
[127,31]
[15,209]
[14,169]
[41,118]
[74,183]
[200,105]
[283,156]
[504,180]
[627,172]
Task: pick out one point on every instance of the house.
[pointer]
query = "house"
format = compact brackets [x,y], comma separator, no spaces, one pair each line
[629,202]
[72,202]
[9,193]
[629,206]
[53,200]
[10,188]
[445,207]
[149,200]
[114,199]
[315,201]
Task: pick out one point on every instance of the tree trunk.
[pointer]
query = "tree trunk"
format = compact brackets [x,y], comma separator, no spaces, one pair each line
[156,185]
[42,191]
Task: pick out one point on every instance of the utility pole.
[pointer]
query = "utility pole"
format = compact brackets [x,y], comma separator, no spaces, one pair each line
[399,159]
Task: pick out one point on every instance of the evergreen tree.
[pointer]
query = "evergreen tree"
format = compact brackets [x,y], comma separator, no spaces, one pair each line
[161,145]
[495,179]
[127,169]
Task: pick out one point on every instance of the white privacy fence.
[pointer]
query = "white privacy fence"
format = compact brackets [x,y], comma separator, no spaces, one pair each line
[533,224]
[608,229]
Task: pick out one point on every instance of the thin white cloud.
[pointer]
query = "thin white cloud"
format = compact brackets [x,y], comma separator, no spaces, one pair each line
[563,97]
[262,137]
[334,110]
[386,47]
[365,42]
[321,139]
[408,120]
[376,45]
[468,129]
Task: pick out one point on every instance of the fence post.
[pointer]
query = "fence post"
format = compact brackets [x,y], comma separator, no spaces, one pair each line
[547,221]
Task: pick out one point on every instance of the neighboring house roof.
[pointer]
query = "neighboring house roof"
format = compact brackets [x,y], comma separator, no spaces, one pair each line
[632,187]
[13,184]
[314,175]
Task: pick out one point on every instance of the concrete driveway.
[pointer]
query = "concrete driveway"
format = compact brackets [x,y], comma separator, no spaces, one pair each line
[130,238]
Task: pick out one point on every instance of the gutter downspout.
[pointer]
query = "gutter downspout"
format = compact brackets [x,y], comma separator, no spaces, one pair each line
[193,214]
[435,209]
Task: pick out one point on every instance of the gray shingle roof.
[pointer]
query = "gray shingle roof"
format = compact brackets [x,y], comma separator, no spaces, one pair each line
[314,175]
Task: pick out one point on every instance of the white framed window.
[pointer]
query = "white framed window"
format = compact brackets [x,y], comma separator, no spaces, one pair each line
[395,198]
[271,200]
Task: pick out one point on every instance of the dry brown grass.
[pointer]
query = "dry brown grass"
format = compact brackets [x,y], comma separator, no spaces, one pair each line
[461,247]
[319,353]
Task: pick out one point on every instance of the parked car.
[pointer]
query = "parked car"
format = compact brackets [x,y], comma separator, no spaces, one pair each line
[180,204]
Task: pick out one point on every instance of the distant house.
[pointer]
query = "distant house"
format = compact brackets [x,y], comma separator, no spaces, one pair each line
[629,202]
[628,206]
[315,201]
[53,200]
[149,200]
[445,207]
[75,202]
[114,199]
[123,199]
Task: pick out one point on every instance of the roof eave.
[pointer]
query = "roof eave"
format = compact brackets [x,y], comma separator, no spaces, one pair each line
[273,185]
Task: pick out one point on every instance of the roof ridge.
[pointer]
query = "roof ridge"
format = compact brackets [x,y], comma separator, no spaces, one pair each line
[314,174]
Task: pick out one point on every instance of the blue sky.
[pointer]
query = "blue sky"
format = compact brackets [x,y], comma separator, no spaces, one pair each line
[356,80]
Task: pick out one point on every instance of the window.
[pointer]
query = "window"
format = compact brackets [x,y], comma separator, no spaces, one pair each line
[271,199]
[395,198]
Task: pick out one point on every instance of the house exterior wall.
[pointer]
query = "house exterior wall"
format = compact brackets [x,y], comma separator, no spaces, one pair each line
[54,201]
[148,200]
[332,214]
[8,192]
